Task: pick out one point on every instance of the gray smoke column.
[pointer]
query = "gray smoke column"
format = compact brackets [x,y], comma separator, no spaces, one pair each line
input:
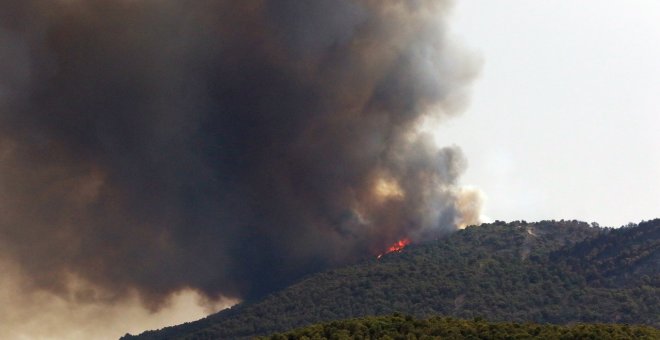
[224,146]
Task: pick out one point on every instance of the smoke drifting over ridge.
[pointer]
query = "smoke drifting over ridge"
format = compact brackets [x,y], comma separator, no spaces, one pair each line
[223,146]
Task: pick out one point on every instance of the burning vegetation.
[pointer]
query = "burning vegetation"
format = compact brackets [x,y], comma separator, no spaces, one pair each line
[396,247]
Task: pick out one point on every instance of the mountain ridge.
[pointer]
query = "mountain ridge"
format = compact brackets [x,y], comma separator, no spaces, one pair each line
[550,272]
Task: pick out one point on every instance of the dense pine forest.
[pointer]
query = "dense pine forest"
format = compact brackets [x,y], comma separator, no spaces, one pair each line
[556,272]
[407,327]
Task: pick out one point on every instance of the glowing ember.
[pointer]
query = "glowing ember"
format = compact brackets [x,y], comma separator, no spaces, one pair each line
[396,247]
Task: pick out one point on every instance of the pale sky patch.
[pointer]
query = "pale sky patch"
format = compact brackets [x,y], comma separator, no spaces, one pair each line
[563,120]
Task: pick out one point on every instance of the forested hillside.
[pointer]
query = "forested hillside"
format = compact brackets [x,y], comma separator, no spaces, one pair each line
[546,272]
[407,327]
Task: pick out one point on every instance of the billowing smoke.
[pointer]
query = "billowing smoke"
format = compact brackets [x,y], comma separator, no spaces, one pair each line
[229,147]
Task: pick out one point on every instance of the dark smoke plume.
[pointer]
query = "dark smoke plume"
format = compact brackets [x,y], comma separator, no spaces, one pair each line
[225,146]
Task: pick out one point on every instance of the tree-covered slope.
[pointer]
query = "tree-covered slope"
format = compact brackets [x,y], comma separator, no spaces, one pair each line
[407,327]
[546,272]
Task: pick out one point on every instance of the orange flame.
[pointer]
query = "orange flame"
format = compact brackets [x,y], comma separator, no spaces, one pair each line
[396,247]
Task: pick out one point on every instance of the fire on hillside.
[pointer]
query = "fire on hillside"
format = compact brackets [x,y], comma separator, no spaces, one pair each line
[396,247]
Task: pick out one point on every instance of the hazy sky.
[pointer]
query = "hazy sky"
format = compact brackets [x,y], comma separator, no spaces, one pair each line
[564,119]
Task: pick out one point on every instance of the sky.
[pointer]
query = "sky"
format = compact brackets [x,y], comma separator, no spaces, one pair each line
[564,116]
[559,122]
